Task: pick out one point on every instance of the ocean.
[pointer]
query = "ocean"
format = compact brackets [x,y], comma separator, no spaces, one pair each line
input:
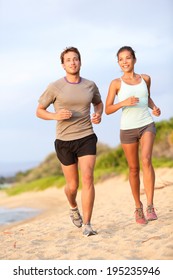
[12,215]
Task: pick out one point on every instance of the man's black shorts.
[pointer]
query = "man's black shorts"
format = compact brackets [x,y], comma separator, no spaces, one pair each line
[69,151]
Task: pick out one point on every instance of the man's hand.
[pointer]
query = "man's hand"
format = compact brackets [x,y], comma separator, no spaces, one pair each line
[96,118]
[63,114]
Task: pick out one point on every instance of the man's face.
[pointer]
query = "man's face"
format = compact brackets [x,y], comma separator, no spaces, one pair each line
[71,63]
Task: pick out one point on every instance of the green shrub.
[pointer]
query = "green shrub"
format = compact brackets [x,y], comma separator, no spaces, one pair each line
[36,185]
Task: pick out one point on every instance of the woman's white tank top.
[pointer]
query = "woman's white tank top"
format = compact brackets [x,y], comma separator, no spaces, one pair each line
[138,115]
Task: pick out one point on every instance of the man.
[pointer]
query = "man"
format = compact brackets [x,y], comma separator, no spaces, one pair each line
[75,142]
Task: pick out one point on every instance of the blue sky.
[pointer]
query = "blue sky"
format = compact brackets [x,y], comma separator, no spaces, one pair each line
[33,34]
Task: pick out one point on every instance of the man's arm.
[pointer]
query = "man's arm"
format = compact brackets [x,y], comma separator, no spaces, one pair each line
[98,110]
[42,113]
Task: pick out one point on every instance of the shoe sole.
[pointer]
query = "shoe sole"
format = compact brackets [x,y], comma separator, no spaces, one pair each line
[142,224]
[150,220]
[75,224]
[90,234]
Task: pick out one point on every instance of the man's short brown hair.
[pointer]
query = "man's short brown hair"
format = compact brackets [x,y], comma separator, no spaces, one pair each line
[69,49]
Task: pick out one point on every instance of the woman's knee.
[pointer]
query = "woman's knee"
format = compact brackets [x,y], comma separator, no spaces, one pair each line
[134,170]
[146,161]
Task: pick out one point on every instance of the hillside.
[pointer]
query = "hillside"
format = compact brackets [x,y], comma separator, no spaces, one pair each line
[106,156]
[110,161]
[51,167]
[163,146]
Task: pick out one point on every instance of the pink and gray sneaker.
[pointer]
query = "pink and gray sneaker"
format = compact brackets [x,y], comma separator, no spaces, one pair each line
[150,213]
[139,216]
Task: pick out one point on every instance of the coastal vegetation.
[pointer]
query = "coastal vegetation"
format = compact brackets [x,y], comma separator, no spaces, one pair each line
[110,162]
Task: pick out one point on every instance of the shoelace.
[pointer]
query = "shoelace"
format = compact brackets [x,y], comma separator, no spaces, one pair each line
[140,213]
[76,215]
[150,209]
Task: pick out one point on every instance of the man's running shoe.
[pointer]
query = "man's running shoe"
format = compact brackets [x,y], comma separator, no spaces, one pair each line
[76,217]
[88,231]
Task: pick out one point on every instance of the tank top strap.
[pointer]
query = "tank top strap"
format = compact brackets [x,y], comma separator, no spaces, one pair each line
[121,80]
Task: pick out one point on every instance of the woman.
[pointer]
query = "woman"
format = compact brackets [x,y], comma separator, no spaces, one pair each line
[137,126]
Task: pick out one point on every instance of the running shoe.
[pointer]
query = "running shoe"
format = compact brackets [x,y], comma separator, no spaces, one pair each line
[76,217]
[139,216]
[151,214]
[88,231]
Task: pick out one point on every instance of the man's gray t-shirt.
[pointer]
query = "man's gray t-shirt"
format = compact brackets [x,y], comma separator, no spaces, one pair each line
[76,97]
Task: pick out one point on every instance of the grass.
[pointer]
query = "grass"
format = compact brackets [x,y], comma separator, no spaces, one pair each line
[106,166]
[162,162]
[36,185]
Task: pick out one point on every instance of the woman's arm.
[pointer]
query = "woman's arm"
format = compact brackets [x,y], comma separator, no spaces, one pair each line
[110,107]
[155,110]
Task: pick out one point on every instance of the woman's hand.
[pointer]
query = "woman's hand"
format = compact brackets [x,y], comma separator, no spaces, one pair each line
[156,111]
[131,101]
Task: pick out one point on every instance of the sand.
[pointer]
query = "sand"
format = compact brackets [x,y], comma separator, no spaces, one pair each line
[51,235]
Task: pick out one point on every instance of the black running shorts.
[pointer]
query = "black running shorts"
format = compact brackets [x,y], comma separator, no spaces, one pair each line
[69,151]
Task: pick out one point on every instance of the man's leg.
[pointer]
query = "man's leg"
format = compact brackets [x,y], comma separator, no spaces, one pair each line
[72,183]
[88,192]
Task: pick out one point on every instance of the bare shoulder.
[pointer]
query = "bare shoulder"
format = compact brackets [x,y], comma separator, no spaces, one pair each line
[116,83]
[146,78]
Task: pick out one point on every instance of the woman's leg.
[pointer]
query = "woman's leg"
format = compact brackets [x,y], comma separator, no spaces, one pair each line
[147,141]
[132,156]
[131,153]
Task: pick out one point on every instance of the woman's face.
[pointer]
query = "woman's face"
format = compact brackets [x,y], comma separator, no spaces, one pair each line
[126,61]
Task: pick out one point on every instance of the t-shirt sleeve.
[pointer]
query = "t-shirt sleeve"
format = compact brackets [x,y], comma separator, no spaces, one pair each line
[96,96]
[48,97]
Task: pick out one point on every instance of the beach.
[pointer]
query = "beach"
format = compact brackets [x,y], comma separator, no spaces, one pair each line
[50,235]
